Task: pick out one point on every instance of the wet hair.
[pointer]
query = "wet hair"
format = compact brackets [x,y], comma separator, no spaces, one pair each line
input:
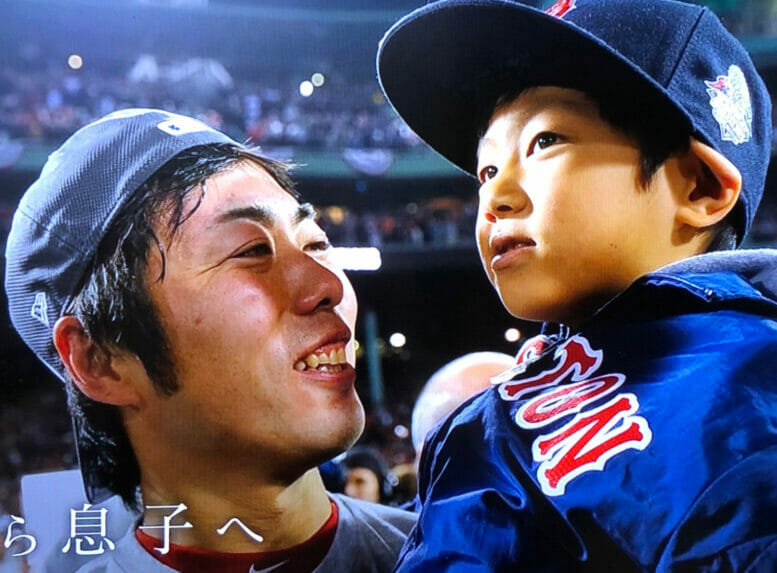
[115,309]
[659,131]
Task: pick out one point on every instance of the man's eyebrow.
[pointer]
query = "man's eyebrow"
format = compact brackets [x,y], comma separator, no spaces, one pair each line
[258,213]
[264,215]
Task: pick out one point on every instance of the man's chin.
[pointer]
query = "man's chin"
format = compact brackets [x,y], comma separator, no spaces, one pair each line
[352,431]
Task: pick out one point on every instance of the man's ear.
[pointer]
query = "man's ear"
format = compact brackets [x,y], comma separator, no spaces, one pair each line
[104,377]
[715,190]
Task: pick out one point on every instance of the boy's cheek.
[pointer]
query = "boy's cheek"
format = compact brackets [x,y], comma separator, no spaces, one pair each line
[484,253]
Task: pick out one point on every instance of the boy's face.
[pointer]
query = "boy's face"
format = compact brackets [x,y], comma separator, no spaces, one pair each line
[563,223]
[249,293]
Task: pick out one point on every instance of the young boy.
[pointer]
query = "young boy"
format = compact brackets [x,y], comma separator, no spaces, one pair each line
[621,146]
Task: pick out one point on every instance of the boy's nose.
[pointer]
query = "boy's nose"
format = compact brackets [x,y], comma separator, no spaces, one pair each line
[503,196]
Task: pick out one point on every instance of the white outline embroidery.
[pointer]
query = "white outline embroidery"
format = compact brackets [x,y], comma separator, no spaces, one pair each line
[40,308]
[591,437]
[731,108]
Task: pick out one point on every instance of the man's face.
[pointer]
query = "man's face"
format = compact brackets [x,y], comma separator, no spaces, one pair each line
[563,223]
[362,483]
[261,328]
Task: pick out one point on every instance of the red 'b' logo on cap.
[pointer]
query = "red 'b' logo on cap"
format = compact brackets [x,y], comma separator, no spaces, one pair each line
[560,8]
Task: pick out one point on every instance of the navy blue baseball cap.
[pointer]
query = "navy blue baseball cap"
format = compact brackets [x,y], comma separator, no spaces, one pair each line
[63,216]
[444,66]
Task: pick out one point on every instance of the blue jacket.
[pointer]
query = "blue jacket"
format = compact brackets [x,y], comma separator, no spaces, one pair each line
[644,441]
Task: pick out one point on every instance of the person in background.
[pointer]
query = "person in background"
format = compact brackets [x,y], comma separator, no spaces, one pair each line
[451,385]
[367,475]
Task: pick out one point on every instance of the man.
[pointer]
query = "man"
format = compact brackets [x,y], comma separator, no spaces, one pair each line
[172,279]
[621,148]
[451,385]
[367,475]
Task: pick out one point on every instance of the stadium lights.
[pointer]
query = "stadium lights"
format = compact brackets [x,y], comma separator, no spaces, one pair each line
[317,79]
[401,431]
[306,88]
[397,340]
[512,335]
[74,61]
[356,258]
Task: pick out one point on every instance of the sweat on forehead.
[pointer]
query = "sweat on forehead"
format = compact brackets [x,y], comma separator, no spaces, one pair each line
[182,183]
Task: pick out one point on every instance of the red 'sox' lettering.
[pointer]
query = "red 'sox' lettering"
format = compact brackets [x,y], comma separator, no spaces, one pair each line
[560,8]
[575,357]
[588,441]
[551,406]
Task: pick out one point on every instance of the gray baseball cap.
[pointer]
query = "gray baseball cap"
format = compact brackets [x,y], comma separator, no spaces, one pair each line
[63,216]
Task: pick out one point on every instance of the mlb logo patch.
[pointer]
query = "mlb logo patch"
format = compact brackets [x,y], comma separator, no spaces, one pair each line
[731,108]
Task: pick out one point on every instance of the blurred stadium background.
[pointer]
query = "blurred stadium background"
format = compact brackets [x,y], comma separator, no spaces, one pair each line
[298,78]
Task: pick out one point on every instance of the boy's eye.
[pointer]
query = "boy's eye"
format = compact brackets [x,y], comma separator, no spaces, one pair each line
[259,250]
[488,172]
[543,140]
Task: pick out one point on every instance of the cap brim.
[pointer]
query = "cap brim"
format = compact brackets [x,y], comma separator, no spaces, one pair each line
[444,66]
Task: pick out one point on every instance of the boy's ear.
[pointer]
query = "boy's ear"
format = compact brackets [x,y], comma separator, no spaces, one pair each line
[102,376]
[715,188]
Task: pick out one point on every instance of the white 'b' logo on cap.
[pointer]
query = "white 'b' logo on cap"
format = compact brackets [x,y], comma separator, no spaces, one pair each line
[182,125]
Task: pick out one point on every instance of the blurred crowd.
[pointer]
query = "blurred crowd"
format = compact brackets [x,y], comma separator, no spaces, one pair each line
[436,223]
[48,106]
[35,436]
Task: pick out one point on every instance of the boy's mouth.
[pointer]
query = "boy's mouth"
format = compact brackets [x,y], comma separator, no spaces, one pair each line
[501,245]
[506,248]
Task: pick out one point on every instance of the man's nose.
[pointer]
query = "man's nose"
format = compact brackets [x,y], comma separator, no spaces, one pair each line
[316,285]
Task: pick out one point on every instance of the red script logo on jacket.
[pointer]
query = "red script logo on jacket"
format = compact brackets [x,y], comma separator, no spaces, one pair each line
[592,436]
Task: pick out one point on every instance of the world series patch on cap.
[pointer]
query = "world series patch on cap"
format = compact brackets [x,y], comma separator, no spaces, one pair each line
[444,66]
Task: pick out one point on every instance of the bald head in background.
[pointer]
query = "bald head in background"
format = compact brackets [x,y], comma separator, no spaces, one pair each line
[450,386]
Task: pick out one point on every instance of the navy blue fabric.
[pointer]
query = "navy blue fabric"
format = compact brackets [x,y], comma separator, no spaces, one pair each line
[443,67]
[698,353]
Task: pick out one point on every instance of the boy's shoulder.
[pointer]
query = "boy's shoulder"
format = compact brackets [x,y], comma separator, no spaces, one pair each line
[743,282]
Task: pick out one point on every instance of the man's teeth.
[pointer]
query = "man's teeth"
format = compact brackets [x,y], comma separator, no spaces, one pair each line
[333,361]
